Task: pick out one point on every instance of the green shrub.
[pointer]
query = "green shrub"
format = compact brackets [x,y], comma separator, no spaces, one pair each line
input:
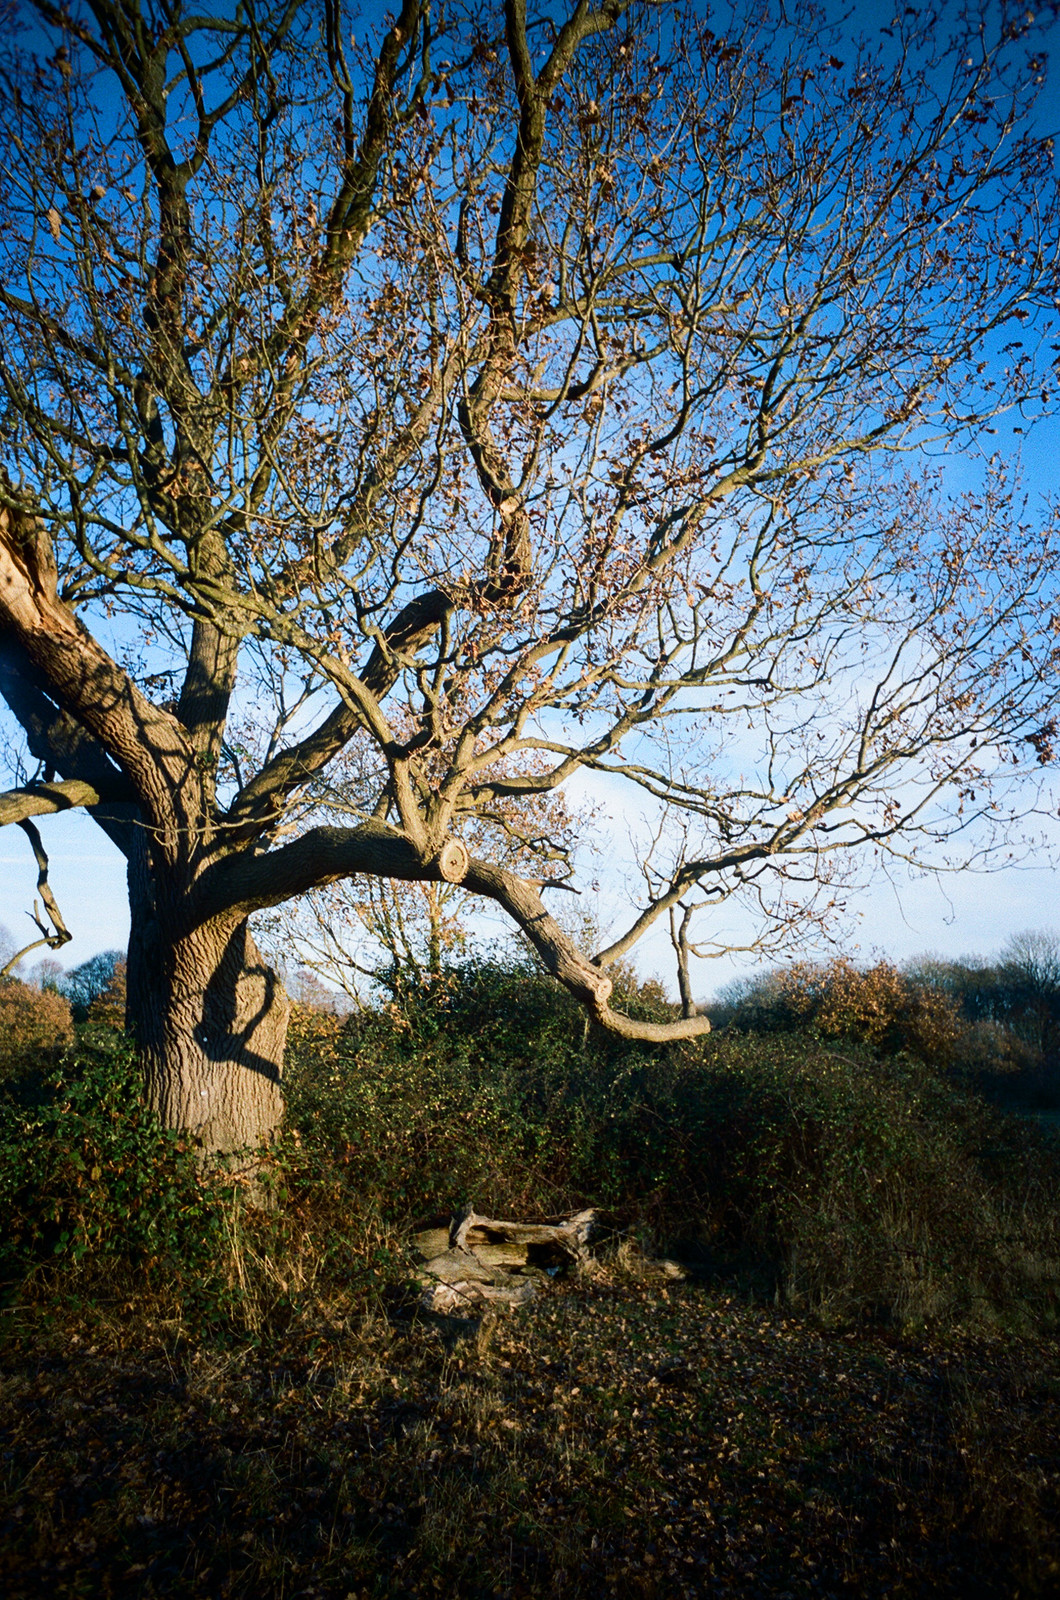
[854,1183]
[446,1101]
[876,1006]
[86,1169]
[877,1189]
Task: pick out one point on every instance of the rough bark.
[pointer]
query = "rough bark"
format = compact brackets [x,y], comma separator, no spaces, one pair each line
[210,1020]
[209,1017]
[57,740]
[42,799]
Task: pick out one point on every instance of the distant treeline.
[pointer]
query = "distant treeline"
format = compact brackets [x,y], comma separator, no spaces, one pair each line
[996,1020]
[996,1023]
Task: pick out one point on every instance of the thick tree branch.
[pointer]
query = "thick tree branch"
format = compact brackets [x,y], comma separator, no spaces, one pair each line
[147,744]
[239,885]
[57,740]
[264,797]
[41,800]
[207,688]
[586,981]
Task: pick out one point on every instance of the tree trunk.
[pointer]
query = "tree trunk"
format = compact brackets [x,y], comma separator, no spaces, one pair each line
[210,1021]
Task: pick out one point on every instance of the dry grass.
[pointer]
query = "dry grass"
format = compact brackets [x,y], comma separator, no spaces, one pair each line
[199,1399]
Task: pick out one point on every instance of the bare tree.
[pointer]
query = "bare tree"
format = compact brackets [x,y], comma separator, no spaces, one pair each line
[1035,955]
[520,395]
[1029,963]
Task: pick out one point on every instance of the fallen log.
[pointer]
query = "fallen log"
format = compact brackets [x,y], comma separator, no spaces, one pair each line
[537,1244]
[479,1261]
[468,1297]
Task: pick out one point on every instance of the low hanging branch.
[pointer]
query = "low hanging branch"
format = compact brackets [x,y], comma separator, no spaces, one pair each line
[59,934]
[43,799]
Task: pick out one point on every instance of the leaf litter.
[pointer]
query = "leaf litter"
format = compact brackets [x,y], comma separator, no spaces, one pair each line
[614,1437]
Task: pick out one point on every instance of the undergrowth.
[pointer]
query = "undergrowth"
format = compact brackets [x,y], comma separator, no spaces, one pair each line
[205,1396]
[854,1183]
[859,1186]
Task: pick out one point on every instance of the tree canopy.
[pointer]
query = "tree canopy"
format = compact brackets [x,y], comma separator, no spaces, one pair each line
[403,416]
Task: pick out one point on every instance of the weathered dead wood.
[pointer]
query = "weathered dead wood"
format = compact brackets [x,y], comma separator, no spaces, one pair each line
[478,1261]
[430,1242]
[457,1266]
[471,1299]
[537,1244]
[454,1283]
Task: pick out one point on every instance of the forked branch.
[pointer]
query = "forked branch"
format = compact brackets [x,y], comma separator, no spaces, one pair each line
[58,934]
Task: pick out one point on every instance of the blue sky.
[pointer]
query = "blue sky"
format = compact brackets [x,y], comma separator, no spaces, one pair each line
[952,915]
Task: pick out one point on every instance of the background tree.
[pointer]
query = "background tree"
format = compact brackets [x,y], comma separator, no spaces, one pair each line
[875,1005]
[530,395]
[1030,962]
[1018,990]
[84,984]
[379,935]
[34,1026]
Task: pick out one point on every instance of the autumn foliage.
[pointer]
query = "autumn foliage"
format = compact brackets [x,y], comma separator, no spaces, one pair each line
[108,1007]
[876,1006]
[34,1025]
